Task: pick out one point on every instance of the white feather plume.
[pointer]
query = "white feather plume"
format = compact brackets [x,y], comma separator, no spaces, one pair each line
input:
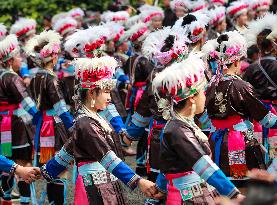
[257,26]
[176,75]
[22,23]
[6,43]
[65,21]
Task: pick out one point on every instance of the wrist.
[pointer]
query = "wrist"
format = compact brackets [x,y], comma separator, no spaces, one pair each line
[15,169]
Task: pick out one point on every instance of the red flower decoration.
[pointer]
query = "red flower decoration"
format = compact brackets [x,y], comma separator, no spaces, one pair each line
[197,31]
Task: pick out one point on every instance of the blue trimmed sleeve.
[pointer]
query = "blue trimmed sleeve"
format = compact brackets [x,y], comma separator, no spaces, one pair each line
[24,71]
[121,76]
[59,163]
[121,170]
[29,106]
[111,115]
[5,164]
[161,183]
[269,121]
[137,126]
[62,111]
[211,173]
[206,123]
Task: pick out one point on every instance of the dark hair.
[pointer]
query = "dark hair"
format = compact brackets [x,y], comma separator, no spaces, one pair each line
[252,50]
[264,44]
[168,43]
[220,39]
[47,17]
[84,92]
[188,19]
[180,105]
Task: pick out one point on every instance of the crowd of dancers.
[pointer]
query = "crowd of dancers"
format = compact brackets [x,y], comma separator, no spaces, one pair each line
[194,84]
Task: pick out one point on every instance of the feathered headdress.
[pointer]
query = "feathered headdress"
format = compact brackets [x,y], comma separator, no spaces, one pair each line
[74,43]
[255,27]
[217,15]
[236,8]
[198,5]
[259,5]
[175,43]
[24,27]
[181,79]
[3,31]
[49,43]
[65,25]
[76,13]
[151,12]
[194,24]
[132,21]
[116,31]
[58,16]
[219,2]
[96,39]
[232,47]
[182,4]
[119,16]
[137,32]
[95,72]
[8,47]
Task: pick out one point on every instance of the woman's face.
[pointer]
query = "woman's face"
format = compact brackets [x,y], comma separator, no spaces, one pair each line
[200,101]
[157,22]
[242,19]
[179,12]
[102,100]
[16,62]
[221,27]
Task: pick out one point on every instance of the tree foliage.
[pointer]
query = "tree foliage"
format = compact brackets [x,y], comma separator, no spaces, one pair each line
[10,10]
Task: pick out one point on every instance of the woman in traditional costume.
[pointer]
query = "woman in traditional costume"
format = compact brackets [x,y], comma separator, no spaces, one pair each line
[262,75]
[231,104]
[185,152]
[94,145]
[54,120]
[16,132]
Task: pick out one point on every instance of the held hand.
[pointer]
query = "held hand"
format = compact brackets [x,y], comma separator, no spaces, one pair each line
[147,187]
[239,199]
[159,195]
[28,174]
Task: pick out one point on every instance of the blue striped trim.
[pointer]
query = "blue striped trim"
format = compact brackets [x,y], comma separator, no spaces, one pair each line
[269,120]
[90,168]
[110,112]
[139,120]
[63,158]
[205,167]
[60,107]
[243,126]
[24,199]
[29,105]
[110,161]
[119,72]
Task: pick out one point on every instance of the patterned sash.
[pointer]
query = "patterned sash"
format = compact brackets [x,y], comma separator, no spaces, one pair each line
[6,111]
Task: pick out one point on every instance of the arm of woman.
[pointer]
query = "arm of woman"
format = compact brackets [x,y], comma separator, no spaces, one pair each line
[16,86]
[188,148]
[59,163]
[58,101]
[93,141]
[254,107]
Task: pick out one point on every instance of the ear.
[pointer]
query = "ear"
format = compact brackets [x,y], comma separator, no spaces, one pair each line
[191,100]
